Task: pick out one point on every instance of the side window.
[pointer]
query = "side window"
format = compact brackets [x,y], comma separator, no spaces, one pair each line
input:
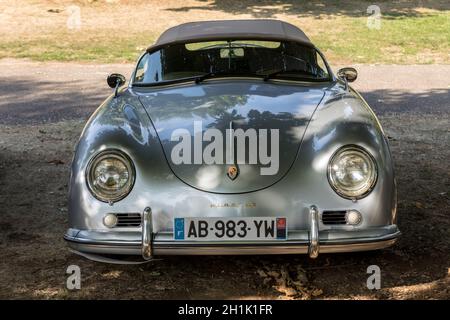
[141,69]
[322,68]
[149,69]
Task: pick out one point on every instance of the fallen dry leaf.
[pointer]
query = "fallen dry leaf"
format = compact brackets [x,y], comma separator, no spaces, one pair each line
[56,162]
[316,292]
[261,273]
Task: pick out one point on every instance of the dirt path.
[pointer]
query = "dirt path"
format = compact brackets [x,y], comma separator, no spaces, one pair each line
[42,112]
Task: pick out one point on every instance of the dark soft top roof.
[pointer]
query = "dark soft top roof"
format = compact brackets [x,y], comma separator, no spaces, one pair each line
[231,29]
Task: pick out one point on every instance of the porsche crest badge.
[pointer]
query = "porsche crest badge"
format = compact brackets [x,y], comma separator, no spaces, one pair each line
[232,172]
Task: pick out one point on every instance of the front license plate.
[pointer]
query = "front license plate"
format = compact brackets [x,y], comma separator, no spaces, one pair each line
[237,229]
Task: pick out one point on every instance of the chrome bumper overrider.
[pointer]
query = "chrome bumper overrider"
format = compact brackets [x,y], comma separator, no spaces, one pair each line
[149,244]
[314,232]
[147,234]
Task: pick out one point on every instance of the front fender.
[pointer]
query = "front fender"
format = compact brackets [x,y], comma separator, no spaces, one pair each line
[119,123]
[344,118]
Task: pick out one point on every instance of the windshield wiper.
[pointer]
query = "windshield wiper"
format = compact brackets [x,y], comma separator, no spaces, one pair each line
[199,78]
[278,72]
[210,75]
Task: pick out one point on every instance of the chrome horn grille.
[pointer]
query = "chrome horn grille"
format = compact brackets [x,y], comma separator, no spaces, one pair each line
[128,220]
[334,217]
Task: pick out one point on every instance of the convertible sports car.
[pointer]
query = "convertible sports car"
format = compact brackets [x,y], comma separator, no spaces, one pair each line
[232,137]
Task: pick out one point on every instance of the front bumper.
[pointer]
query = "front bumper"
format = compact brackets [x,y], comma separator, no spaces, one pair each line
[149,244]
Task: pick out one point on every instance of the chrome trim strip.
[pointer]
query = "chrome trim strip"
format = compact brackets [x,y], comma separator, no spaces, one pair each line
[162,243]
[207,249]
[294,237]
[104,259]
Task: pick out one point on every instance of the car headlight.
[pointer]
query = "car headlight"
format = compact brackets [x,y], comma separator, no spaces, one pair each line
[352,172]
[110,175]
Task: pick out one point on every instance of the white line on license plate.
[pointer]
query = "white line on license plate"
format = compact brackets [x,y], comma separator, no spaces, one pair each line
[219,229]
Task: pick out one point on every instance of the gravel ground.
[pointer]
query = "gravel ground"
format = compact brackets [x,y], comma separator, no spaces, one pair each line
[42,112]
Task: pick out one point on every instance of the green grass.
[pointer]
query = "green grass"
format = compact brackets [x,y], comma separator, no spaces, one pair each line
[70,46]
[423,39]
[402,39]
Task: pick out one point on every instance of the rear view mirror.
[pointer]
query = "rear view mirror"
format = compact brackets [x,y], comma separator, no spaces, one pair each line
[231,53]
[349,74]
[115,79]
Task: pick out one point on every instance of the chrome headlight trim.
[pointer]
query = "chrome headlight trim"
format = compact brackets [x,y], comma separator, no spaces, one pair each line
[111,154]
[372,180]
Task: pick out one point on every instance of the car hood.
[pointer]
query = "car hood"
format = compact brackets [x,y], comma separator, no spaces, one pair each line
[183,116]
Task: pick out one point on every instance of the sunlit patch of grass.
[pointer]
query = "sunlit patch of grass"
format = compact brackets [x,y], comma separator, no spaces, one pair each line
[71,46]
[422,39]
[402,39]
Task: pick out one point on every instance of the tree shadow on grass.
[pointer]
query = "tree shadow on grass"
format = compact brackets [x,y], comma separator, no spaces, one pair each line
[318,9]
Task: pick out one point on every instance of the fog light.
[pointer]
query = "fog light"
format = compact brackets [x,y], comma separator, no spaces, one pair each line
[110,220]
[353,217]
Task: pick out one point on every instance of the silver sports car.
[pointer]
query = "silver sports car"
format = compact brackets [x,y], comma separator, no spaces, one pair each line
[232,137]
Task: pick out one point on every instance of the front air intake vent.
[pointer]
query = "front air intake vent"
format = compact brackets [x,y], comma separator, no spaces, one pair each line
[334,217]
[128,219]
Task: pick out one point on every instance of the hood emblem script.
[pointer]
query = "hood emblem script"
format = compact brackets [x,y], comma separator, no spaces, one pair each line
[232,172]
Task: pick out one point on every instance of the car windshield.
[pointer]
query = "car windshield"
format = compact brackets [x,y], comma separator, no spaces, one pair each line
[267,59]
